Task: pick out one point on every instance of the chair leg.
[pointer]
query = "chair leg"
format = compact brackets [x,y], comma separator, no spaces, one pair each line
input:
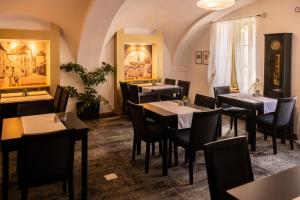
[274,142]
[24,193]
[291,137]
[160,147]
[134,148]
[170,153]
[64,184]
[147,157]
[175,154]
[191,163]
[71,187]
[265,134]
[235,125]
[231,122]
[138,143]
[153,148]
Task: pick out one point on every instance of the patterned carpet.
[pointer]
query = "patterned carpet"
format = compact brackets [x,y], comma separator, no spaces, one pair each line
[110,144]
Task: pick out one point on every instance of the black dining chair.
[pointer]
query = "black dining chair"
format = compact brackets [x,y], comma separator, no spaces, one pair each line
[185,85]
[169,81]
[57,97]
[228,165]
[205,101]
[281,119]
[143,131]
[232,111]
[44,159]
[133,93]
[125,97]
[147,97]
[63,100]
[203,130]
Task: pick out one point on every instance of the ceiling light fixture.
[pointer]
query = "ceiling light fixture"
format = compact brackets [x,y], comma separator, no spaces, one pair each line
[215,4]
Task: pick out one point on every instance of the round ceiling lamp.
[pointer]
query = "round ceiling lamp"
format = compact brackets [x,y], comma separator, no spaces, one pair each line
[215,4]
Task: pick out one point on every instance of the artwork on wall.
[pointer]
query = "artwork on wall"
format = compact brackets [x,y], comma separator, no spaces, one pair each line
[198,57]
[137,62]
[205,57]
[23,62]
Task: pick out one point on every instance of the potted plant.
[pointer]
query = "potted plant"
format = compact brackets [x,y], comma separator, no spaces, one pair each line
[88,104]
[185,100]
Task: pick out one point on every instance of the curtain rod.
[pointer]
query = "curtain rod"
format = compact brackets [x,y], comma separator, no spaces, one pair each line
[262,15]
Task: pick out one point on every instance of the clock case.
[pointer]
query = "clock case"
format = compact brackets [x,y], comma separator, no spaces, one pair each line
[277,85]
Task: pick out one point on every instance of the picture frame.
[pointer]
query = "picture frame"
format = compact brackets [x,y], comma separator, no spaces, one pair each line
[205,57]
[198,57]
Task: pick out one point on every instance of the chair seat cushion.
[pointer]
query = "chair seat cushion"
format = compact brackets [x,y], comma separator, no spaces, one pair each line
[182,137]
[266,119]
[155,132]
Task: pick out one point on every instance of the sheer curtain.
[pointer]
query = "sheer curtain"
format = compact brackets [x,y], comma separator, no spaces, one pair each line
[245,52]
[228,38]
[220,62]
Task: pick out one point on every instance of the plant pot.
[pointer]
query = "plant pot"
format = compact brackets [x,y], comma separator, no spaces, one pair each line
[91,112]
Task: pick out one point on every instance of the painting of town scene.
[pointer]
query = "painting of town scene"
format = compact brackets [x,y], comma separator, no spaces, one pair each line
[23,63]
[137,62]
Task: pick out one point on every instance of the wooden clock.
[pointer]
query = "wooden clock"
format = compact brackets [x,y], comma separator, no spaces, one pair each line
[277,71]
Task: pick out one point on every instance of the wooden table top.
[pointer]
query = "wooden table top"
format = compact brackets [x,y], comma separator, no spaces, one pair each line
[12,128]
[281,186]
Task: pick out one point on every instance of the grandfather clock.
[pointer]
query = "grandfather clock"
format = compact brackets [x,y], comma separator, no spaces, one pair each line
[277,72]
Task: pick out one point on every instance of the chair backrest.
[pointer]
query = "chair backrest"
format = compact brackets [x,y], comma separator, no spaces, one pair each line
[124,91]
[169,81]
[219,91]
[45,158]
[185,87]
[63,100]
[147,97]
[204,128]
[138,119]
[133,93]
[284,111]
[228,165]
[57,97]
[205,101]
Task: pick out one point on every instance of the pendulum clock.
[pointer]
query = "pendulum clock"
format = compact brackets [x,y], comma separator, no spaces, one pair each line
[277,71]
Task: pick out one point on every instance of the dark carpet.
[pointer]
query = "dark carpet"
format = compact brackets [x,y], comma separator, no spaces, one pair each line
[110,144]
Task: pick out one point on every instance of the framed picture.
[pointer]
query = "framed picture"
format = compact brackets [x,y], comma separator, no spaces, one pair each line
[198,57]
[205,57]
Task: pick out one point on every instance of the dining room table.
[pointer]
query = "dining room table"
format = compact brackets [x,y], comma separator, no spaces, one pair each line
[14,128]
[173,115]
[281,186]
[256,104]
[15,103]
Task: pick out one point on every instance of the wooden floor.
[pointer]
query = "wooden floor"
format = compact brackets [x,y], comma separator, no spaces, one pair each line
[110,143]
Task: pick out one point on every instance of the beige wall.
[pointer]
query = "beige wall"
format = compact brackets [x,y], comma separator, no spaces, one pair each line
[281,17]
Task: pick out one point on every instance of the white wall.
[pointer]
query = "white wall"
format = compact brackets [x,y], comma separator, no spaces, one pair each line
[281,17]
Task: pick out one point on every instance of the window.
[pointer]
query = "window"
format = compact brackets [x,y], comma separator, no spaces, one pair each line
[233,50]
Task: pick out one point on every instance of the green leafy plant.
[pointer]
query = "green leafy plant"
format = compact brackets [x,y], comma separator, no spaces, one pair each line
[89,95]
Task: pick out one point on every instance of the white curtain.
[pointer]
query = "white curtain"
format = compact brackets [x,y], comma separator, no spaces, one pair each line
[220,62]
[228,37]
[245,52]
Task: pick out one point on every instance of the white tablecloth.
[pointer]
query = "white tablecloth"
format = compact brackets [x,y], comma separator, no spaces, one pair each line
[147,84]
[158,87]
[37,124]
[184,113]
[269,103]
[25,99]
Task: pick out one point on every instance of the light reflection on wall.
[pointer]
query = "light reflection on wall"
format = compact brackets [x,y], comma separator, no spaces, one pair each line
[137,62]
[24,63]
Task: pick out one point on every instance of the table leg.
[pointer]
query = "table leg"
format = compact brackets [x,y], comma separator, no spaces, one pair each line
[84,166]
[165,154]
[252,131]
[5,175]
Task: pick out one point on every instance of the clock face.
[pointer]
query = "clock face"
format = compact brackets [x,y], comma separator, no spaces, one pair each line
[275,45]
